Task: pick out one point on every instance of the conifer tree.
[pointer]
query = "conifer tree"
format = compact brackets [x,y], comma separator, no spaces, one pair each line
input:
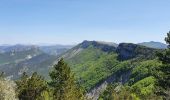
[63,83]
[164,70]
[165,59]
[31,88]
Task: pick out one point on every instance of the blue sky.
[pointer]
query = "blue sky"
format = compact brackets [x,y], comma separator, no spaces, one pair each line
[72,21]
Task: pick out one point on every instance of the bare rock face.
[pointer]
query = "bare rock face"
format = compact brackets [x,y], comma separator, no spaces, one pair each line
[101,86]
[128,51]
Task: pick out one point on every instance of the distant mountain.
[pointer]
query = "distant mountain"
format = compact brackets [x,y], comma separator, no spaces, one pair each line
[16,59]
[16,48]
[95,63]
[12,56]
[2,49]
[49,49]
[152,44]
[55,49]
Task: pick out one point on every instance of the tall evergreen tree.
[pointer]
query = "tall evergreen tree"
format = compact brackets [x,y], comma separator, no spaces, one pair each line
[63,83]
[31,88]
[164,70]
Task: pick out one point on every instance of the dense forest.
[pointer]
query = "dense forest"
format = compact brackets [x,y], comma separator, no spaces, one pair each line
[96,71]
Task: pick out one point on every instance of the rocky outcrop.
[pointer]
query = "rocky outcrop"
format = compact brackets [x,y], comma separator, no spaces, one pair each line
[128,50]
[101,86]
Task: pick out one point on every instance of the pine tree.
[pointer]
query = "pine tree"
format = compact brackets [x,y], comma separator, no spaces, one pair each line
[164,70]
[63,83]
[31,88]
[165,56]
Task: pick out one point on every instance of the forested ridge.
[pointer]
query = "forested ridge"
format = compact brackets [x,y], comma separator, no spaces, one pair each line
[131,71]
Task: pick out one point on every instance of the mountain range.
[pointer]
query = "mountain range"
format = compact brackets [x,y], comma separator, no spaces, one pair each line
[16,59]
[19,58]
[95,63]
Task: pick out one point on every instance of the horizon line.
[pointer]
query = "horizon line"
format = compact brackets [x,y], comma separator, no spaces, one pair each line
[47,44]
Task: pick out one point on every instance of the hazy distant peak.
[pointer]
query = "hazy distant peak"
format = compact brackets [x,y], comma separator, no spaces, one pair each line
[153,44]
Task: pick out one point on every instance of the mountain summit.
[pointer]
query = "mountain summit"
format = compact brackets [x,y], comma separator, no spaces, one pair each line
[153,44]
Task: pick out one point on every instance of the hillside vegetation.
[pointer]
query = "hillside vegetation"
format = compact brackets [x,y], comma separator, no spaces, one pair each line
[90,70]
[92,62]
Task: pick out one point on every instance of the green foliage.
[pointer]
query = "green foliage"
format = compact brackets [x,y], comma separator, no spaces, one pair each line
[92,65]
[145,87]
[164,70]
[144,69]
[142,90]
[142,84]
[122,67]
[164,57]
[31,88]
[118,92]
[167,39]
[63,83]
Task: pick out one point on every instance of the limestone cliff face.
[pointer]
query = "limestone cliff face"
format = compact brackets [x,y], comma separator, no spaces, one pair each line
[95,92]
[128,50]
